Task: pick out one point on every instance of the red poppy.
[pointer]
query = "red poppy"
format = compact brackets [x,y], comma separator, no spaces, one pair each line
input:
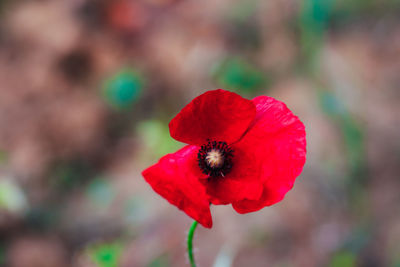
[243,152]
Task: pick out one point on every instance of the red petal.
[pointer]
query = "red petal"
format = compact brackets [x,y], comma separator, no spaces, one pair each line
[175,177]
[241,183]
[217,115]
[277,137]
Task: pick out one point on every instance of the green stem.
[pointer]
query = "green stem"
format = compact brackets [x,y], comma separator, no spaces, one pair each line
[190,243]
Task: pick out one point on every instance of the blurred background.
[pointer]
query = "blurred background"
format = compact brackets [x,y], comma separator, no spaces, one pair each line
[87,89]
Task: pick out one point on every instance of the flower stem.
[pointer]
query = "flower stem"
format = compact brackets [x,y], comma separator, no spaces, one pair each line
[190,243]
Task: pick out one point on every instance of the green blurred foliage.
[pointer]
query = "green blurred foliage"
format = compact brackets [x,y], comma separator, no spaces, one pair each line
[161,261]
[358,239]
[3,156]
[315,15]
[371,7]
[156,138]
[71,174]
[122,89]
[343,259]
[331,105]
[2,255]
[44,217]
[397,262]
[318,15]
[353,136]
[314,18]
[100,191]
[242,11]
[239,75]
[106,254]
[352,132]
[12,198]
[354,148]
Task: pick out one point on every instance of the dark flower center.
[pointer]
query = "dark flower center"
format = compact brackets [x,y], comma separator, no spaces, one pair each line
[215,158]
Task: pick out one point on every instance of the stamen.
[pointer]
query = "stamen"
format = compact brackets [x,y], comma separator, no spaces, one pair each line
[215,158]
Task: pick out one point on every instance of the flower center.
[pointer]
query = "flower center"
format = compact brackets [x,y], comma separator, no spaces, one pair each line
[215,158]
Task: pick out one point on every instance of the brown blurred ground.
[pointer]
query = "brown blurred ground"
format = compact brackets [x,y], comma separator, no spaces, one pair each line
[73,143]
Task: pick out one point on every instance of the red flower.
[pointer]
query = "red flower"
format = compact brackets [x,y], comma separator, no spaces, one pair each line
[241,152]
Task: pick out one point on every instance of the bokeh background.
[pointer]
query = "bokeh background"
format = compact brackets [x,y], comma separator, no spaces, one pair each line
[87,89]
